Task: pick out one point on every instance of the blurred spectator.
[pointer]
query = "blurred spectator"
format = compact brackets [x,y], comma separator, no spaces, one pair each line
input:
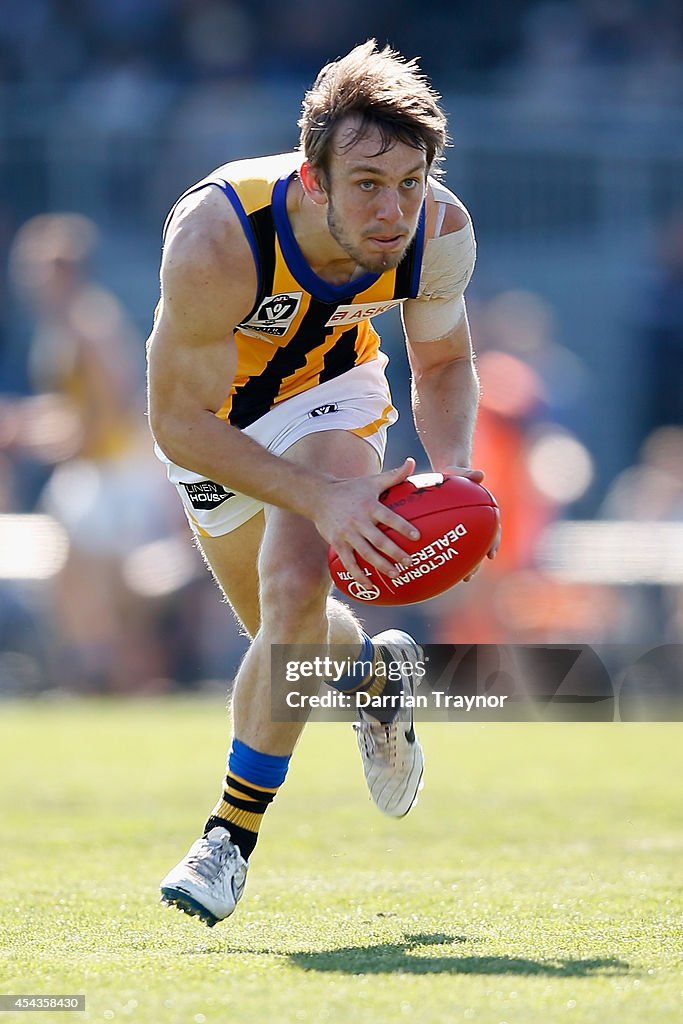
[531,386]
[652,489]
[82,349]
[534,392]
[511,397]
[87,419]
[132,603]
[523,324]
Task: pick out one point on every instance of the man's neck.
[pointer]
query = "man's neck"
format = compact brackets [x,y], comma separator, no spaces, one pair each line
[325,257]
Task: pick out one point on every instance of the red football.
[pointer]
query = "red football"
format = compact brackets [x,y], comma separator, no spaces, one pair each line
[457,520]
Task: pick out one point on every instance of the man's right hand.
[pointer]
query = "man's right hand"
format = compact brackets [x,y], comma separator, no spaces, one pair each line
[349,518]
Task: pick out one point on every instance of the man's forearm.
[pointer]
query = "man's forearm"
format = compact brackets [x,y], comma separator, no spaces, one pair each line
[445,401]
[218,451]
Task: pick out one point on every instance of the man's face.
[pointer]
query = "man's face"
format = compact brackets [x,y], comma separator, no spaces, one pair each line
[374,202]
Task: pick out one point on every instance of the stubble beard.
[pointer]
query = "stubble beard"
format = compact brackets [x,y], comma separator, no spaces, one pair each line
[376,264]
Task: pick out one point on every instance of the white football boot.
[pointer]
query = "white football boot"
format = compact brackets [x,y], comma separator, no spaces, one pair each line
[393,761]
[209,881]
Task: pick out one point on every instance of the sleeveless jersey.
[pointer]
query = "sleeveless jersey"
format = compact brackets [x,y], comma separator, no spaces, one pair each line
[301,331]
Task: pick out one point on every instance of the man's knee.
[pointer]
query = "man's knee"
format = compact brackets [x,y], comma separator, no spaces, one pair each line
[294,589]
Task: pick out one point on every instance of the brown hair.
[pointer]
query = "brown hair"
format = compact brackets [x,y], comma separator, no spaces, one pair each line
[387,91]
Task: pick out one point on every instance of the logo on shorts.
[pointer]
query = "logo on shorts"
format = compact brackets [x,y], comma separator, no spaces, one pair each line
[323,410]
[207,495]
[275,314]
[368,592]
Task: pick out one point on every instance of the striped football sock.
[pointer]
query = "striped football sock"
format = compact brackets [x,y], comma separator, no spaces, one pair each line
[250,786]
[368,675]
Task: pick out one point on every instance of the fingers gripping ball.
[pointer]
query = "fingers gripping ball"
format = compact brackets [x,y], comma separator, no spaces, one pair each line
[457,519]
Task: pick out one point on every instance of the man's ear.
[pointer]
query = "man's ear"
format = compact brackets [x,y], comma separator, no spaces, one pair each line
[313,181]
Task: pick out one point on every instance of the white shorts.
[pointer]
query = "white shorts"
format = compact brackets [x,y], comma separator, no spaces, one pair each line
[358,401]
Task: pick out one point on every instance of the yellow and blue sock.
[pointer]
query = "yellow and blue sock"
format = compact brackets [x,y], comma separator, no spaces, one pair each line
[363,677]
[250,786]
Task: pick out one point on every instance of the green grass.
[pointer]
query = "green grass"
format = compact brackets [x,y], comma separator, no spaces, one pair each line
[538,879]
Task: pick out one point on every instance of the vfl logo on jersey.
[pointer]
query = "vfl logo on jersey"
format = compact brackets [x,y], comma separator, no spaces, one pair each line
[323,410]
[275,314]
[207,495]
[356,312]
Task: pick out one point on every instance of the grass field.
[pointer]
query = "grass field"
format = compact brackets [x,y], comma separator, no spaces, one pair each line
[538,879]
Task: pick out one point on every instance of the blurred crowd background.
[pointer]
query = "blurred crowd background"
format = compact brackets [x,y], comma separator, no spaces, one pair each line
[567,147]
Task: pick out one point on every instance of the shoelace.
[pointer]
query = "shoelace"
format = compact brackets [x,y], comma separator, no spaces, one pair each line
[379,741]
[212,856]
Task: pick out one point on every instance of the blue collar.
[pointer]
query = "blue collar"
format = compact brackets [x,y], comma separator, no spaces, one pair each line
[294,258]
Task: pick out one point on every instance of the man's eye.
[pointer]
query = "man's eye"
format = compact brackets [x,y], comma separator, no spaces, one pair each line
[410,183]
[367,186]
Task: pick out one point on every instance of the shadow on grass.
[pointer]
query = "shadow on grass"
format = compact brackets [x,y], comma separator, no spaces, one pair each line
[406,957]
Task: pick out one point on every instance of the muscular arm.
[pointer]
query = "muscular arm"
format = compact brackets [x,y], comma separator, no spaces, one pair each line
[445,396]
[445,388]
[208,285]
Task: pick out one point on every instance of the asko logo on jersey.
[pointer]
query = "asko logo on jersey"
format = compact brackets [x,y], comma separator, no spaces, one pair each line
[275,314]
[358,311]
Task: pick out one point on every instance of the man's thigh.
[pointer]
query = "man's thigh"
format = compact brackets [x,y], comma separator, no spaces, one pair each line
[234,557]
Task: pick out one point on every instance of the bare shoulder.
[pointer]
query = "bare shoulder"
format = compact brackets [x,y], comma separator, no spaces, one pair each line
[455,219]
[208,274]
[454,213]
[449,253]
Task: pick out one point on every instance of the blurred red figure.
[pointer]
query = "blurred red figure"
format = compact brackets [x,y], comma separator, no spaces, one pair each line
[511,392]
[529,385]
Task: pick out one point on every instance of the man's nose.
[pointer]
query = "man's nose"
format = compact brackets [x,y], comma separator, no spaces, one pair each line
[389,206]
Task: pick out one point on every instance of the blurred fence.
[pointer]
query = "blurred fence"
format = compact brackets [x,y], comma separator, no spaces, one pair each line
[533,174]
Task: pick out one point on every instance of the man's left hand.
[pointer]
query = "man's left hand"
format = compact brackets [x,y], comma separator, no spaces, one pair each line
[476,476]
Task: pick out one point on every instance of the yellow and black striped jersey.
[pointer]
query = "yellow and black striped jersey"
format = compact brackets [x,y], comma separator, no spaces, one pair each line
[302,330]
